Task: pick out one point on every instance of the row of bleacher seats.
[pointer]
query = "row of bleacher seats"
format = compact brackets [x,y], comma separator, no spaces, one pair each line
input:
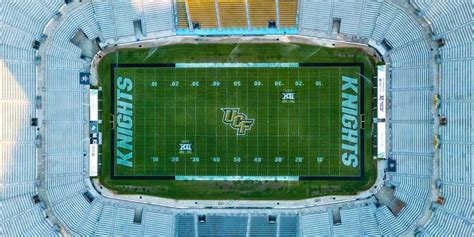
[357,220]
[315,15]
[245,224]
[412,77]
[357,18]
[64,123]
[204,12]
[20,15]
[317,224]
[116,19]
[409,101]
[241,14]
[447,223]
[234,225]
[413,55]
[287,12]
[65,137]
[259,226]
[22,22]
[261,11]
[411,138]
[182,15]
[452,22]
[232,13]
[408,217]
[413,164]
[410,92]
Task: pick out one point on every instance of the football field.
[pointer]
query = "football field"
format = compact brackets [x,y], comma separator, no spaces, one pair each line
[237,121]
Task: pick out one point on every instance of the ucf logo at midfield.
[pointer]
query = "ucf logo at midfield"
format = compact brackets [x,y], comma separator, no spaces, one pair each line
[236,120]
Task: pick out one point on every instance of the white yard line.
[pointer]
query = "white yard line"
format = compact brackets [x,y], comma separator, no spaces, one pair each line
[268,119]
[236,137]
[144,123]
[298,112]
[164,121]
[340,117]
[309,125]
[226,131]
[185,119]
[217,118]
[205,119]
[258,146]
[154,122]
[319,125]
[175,124]
[288,110]
[278,126]
[247,145]
[195,126]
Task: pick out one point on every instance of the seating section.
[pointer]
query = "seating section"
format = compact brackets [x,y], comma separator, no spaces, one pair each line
[182,14]
[368,221]
[260,226]
[22,22]
[287,12]
[157,223]
[244,224]
[357,18]
[232,225]
[237,15]
[317,224]
[203,12]
[452,22]
[158,15]
[232,13]
[289,225]
[261,11]
[349,13]
[185,225]
[359,220]
[33,223]
[117,19]
[410,117]
[315,15]
[28,18]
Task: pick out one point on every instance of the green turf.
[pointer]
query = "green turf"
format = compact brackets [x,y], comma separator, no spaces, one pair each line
[286,139]
[237,53]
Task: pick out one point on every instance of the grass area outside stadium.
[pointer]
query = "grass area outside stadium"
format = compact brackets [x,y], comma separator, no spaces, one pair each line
[222,53]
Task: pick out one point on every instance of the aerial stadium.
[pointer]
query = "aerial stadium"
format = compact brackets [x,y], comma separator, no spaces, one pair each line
[236,118]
